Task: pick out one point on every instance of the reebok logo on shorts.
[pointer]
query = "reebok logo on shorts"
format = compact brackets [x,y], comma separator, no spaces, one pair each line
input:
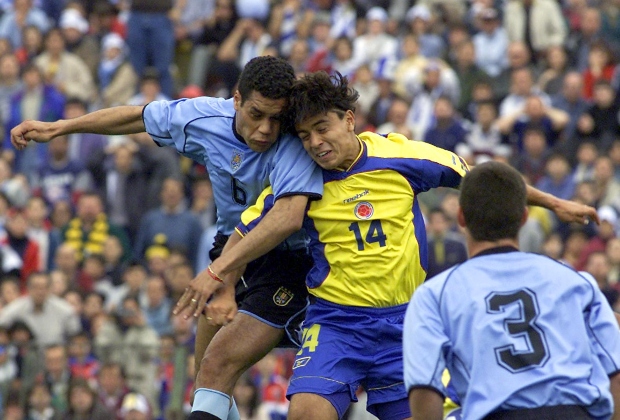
[301,362]
[282,296]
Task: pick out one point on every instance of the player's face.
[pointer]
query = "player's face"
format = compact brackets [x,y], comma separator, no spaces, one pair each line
[330,140]
[258,120]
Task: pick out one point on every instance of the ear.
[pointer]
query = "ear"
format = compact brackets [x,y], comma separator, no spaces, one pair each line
[349,117]
[460,218]
[526,213]
[237,100]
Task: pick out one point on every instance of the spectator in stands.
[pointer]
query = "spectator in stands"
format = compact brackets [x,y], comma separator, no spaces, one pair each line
[342,59]
[67,261]
[573,246]
[22,14]
[586,157]
[469,74]
[83,403]
[15,239]
[605,232]
[156,256]
[607,186]
[36,100]
[113,254]
[534,113]
[397,119]
[40,230]
[39,403]
[375,45]
[531,160]
[88,231]
[57,375]
[135,407]
[64,70]
[158,307]
[484,140]
[570,100]
[9,290]
[150,37]
[491,43]
[8,366]
[552,78]
[82,363]
[445,248]
[518,57]
[134,284]
[60,177]
[539,24]
[173,219]
[132,343]
[419,21]
[216,29]
[10,84]
[202,204]
[112,387]
[248,39]
[579,42]
[599,124]
[521,87]
[117,77]
[597,264]
[613,253]
[409,68]
[600,68]
[32,45]
[78,41]
[289,21]
[81,146]
[557,180]
[121,173]
[447,130]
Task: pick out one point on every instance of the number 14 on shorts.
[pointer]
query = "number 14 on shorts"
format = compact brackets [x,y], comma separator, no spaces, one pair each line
[310,339]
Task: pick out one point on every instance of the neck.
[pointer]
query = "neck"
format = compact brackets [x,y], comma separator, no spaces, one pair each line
[476,247]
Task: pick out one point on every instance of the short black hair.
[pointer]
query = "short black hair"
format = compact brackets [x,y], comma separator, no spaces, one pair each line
[270,76]
[319,93]
[493,200]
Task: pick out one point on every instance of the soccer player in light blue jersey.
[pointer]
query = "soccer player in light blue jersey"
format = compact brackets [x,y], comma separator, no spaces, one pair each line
[523,336]
[240,143]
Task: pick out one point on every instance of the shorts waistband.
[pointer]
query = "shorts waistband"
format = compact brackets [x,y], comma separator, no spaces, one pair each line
[370,310]
[554,412]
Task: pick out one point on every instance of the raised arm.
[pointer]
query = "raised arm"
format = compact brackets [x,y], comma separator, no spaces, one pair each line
[567,211]
[108,121]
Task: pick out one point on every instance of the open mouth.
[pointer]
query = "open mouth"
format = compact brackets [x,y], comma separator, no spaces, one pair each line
[321,155]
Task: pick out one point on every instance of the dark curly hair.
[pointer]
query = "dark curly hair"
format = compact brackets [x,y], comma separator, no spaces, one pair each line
[319,93]
[272,77]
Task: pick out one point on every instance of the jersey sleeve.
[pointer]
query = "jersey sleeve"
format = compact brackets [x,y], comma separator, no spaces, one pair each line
[428,167]
[255,213]
[423,343]
[603,328]
[165,122]
[294,172]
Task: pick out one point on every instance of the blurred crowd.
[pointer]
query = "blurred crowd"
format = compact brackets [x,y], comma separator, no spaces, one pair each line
[100,235]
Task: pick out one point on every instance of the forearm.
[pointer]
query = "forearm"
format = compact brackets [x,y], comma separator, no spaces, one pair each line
[558,118]
[535,197]
[280,222]
[232,278]
[108,121]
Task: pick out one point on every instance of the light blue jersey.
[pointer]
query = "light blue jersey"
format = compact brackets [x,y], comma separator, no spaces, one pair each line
[515,330]
[203,130]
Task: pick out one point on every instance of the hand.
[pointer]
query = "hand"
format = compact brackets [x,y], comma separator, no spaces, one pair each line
[30,130]
[223,307]
[196,295]
[574,212]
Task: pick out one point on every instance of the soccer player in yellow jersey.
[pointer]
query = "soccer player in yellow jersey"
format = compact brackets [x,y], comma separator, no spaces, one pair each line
[369,248]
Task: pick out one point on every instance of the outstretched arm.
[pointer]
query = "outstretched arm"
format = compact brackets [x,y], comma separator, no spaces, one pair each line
[109,121]
[567,211]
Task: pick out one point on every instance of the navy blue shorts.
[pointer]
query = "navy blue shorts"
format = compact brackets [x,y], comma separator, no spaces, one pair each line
[345,347]
[273,289]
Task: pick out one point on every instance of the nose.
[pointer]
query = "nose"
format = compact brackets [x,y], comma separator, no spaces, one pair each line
[266,126]
[315,140]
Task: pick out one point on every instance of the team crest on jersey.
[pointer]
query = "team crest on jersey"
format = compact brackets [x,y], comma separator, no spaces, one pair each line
[237,158]
[301,362]
[282,297]
[364,210]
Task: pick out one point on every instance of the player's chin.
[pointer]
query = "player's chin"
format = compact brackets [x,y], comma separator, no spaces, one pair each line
[260,146]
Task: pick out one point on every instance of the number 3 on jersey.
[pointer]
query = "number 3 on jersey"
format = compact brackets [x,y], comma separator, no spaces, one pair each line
[523,327]
[310,339]
[374,234]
